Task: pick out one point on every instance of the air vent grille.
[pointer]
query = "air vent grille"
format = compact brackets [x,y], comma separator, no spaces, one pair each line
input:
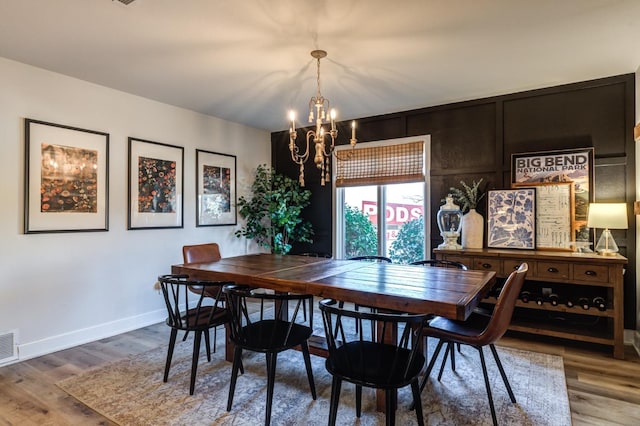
[8,347]
[126,1]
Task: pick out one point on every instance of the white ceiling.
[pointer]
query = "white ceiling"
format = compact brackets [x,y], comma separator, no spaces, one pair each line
[248,61]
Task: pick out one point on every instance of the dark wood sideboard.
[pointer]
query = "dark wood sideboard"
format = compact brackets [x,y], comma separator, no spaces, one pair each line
[556,280]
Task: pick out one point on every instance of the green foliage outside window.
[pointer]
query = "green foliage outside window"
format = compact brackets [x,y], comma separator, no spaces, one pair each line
[409,245]
[360,236]
[273,212]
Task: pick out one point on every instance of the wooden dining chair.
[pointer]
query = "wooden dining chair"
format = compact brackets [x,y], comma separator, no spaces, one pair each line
[191,307]
[366,358]
[479,331]
[201,253]
[273,328]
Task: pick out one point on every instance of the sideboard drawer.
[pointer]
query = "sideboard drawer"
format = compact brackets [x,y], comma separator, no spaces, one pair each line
[510,265]
[591,273]
[553,270]
[487,264]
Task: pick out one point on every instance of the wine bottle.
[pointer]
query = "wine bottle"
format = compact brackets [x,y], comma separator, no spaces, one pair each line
[584,303]
[569,303]
[599,303]
[525,296]
[539,300]
[554,299]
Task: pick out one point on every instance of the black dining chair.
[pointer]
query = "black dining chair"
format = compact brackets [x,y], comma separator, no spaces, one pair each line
[440,263]
[192,306]
[367,258]
[274,327]
[479,331]
[366,358]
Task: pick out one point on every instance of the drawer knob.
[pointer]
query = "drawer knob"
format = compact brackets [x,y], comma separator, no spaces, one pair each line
[590,273]
[552,270]
[486,265]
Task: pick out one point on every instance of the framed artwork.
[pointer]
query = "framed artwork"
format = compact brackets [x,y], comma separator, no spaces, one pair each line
[215,189]
[511,220]
[155,185]
[555,216]
[572,165]
[66,180]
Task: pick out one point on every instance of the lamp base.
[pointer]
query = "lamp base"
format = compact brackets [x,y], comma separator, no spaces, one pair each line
[606,245]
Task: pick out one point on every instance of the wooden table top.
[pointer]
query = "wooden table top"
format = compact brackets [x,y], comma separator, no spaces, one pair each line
[451,293]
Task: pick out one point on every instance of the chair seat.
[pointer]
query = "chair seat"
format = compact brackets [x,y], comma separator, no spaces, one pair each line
[193,320]
[273,335]
[468,331]
[374,365]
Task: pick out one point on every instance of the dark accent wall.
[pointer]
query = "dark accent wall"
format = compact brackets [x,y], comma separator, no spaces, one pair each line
[475,139]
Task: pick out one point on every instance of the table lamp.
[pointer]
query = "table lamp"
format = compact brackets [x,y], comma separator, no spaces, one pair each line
[607,216]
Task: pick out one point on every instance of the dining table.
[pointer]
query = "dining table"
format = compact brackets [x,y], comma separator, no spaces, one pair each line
[447,292]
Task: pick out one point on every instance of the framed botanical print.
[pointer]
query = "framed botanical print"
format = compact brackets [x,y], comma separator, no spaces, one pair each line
[511,219]
[554,216]
[215,189]
[66,179]
[156,173]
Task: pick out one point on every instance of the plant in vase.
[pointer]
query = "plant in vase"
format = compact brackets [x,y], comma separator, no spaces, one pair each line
[273,213]
[472,228]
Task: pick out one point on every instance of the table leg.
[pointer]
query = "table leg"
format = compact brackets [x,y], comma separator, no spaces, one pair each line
[391,338]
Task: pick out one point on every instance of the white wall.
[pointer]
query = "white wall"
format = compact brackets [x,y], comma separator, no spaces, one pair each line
[60,290]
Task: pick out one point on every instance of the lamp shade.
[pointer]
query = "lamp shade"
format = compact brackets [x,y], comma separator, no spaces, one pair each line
[608,216]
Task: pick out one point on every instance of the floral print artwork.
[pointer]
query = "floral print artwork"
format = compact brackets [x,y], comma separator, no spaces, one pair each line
[511,218]
[156,185]
[68,180]
[216,198]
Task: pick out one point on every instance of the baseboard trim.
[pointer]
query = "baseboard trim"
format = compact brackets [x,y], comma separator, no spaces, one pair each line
[89,334]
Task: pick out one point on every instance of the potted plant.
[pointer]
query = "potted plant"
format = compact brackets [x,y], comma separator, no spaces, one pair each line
[273,212]
[467,198]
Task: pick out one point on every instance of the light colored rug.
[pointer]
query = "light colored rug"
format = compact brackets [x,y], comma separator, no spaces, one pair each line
[131,392]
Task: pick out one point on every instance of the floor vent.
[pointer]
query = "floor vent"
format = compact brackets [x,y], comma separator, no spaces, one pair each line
[8,347]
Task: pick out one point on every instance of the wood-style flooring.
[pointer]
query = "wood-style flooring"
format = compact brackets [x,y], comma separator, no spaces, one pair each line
[602,390]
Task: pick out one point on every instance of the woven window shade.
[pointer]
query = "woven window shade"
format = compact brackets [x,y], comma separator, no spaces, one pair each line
[381,165]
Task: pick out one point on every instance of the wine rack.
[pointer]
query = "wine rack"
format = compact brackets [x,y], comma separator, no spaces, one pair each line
[576,296]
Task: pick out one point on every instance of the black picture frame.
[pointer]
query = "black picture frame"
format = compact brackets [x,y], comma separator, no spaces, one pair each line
[215,189]
[156,185]
[66,178]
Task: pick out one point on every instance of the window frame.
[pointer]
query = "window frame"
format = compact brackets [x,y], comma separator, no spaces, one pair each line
[338,197]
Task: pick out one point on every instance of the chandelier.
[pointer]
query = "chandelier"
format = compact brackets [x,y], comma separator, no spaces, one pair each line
[320,112]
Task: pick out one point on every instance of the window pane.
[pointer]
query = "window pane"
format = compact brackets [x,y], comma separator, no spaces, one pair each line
[360,221]
[404,218]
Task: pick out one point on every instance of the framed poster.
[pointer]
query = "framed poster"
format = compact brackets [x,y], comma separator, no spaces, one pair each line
[554,216]
[155,185]
[574,165]
[66,179]
[511,221]
[215,189]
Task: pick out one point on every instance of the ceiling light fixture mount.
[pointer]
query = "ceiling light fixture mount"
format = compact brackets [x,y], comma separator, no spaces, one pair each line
[319,110]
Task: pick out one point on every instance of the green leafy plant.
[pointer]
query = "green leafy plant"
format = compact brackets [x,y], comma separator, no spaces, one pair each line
[409,244]
[273,212]
[360,237]
[469,196]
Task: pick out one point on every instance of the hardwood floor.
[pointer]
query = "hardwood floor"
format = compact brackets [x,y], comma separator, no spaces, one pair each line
[602,390]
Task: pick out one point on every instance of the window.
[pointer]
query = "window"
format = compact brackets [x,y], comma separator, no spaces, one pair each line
[387,216]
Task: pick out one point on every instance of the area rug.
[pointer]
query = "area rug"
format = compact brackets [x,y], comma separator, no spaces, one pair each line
[131,392]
